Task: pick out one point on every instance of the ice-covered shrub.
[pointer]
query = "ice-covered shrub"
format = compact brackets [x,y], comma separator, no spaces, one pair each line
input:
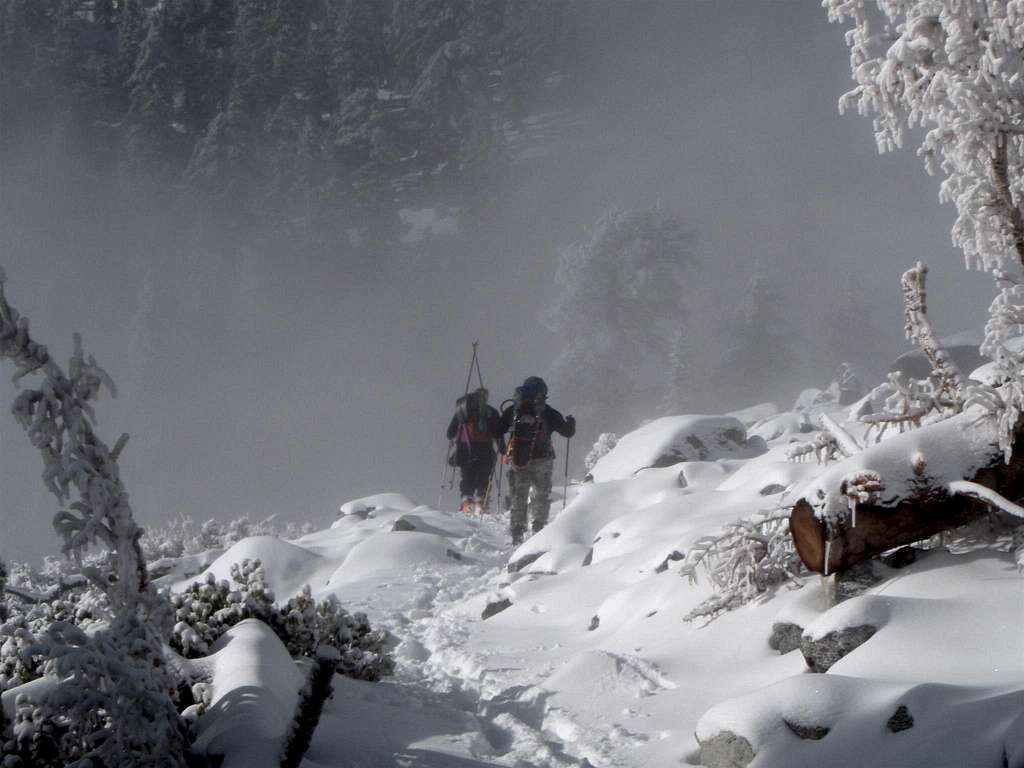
[743,561]
[605,442]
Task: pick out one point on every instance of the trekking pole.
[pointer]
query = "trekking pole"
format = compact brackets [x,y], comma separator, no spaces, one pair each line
[565,489]
[444,474]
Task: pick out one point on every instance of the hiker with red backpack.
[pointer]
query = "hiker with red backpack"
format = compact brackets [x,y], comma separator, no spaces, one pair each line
[473,433]
[531,454]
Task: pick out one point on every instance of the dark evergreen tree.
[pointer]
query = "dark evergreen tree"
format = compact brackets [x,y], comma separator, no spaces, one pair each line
[760,356]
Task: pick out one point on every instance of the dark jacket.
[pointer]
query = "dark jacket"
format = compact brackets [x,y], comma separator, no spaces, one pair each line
[474,436]
[531,428]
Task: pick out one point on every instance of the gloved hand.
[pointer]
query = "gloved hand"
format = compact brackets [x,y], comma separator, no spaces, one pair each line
[570,422]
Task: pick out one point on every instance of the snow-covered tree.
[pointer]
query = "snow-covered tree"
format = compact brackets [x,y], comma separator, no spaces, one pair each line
[619,303]
[115,687]
[954,68]
[759,355]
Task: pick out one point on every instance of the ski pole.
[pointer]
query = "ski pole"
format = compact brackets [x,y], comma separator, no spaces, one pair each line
[565,489]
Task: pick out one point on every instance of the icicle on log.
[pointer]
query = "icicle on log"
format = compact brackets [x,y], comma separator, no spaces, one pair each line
[834,544]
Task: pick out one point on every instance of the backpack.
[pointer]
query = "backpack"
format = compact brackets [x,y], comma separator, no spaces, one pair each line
[529,429]
[475,431]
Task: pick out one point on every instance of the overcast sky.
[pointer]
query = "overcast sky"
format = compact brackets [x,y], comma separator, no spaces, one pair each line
[262,385]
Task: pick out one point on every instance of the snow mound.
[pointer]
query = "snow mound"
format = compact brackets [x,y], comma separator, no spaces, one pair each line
[287,567]
[255,691]
[376,558]
[755,413]
[784,425]
[673,439]
[380,501]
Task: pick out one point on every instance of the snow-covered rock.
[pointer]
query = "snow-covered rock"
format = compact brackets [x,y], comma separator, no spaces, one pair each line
[255,690]
[674,439]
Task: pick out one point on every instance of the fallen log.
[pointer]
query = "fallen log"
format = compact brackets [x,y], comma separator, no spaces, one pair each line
[833,546]
[834,527]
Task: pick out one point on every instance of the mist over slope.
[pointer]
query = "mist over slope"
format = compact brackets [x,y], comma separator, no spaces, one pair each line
[249,311]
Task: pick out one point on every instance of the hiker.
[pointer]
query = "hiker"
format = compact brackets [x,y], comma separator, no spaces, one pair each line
[531,454]
[473,429]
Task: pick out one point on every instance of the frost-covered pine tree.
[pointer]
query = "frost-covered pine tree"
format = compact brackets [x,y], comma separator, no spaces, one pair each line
[115,690]
[687,379]
[956,69]
[759,355]
[619,303]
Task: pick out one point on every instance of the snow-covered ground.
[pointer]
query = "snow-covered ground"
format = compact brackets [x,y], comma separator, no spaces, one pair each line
[585,657]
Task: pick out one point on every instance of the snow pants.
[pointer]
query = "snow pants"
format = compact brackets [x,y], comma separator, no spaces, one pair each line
[535,475]
[474,476]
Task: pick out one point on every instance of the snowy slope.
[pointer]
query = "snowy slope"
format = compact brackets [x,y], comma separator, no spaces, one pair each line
[587,657]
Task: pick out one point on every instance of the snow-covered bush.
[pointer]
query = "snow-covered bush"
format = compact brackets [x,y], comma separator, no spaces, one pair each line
[34,739]
[207,609]
[742,562]
[36,600]
[307,627]
[605,442]
[18,665]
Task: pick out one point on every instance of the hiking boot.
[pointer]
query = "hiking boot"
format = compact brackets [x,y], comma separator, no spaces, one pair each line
[467,506]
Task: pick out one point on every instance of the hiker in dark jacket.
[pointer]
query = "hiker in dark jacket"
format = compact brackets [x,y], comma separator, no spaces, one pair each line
[531,454]
[473,429]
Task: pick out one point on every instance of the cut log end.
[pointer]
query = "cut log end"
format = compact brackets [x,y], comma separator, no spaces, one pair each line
[809,535]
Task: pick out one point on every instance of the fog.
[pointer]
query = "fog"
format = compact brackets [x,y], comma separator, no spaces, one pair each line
[262,380]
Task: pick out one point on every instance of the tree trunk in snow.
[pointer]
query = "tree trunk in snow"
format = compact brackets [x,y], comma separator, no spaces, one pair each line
[832,546]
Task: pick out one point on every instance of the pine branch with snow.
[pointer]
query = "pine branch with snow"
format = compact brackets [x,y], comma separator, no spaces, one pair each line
[919,329]
[908,403]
